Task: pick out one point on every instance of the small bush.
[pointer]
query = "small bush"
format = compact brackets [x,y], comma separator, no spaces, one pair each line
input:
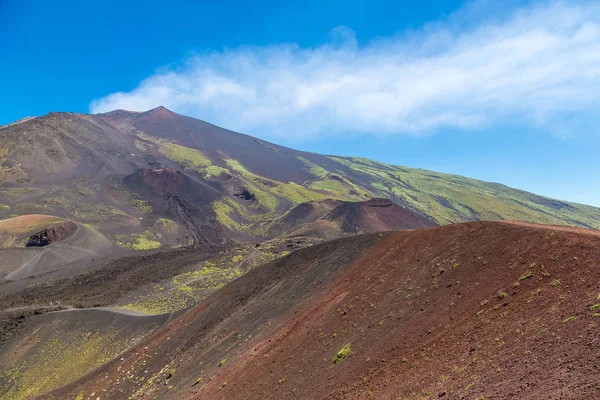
[595,306]
[222,362]
[342,353]
[555,283]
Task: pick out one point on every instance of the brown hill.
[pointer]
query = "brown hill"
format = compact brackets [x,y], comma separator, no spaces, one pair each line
[477,310]
[334,218]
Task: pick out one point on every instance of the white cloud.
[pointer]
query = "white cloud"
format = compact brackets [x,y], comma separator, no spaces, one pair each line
[533,66]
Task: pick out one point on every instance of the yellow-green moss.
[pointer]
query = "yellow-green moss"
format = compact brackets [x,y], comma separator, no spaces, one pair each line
[185,156]
[142,146]
[342,353]
[222,208]
[167,225]
[57,362]
[139,241]
[191,287]
[141,206]
[213,171]
[313,168]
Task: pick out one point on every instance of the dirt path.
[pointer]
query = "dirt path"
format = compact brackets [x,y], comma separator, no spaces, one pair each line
[57,309]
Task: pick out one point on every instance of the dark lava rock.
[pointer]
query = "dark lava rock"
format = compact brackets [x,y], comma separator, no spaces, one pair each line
[51,235]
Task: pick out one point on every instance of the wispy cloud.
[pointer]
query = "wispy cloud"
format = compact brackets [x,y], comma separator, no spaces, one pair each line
[534,65]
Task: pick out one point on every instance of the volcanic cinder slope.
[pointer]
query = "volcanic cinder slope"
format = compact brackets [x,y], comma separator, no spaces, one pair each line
[329,219]
[488,310]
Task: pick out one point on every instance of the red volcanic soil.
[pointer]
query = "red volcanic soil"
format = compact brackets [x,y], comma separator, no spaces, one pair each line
[490,310]
[162,180]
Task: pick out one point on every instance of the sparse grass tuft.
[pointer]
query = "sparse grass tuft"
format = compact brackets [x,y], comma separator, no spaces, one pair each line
[555,283]
[571,318]
[223,361]
[526,276]
[595,306]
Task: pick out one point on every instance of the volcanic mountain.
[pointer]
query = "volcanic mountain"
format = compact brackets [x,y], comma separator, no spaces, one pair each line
[473,310]
[197,249]
[157,178]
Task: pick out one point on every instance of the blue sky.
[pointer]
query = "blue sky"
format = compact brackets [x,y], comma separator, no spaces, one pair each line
[505,93]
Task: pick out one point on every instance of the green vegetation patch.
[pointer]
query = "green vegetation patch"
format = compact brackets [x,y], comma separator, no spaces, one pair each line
[191,287]
[167,225]
[313,168]
[223,208]
[526,276]
[453,198]
[185,156]
[344,352]
[253,216]
[58,362]
[139,241]
[141,206]
[571,318]
[213,171]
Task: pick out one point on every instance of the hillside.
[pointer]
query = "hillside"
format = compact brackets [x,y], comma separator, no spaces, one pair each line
[477,310]
[329,219]
[157,178]
[38,244]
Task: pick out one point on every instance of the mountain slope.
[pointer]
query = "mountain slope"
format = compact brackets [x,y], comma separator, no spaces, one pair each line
[83,167]
[484,309]
[330,219]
